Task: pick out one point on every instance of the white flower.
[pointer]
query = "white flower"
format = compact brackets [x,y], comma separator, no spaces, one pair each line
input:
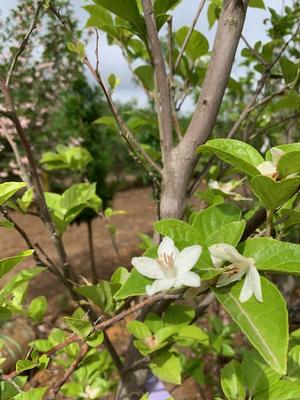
[171,269]
[228,188]
[238,267]
[269,168]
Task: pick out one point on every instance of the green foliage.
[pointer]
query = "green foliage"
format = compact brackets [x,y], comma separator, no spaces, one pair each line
[74,158]
[8,189]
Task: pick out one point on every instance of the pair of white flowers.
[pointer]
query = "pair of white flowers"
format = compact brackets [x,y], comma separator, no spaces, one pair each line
[172,268]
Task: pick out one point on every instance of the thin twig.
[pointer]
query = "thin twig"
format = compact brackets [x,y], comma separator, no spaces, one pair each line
[23,45]
[253,51]
[56,388]
[189,34]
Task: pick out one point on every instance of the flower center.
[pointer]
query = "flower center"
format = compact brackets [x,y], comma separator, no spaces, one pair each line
[166,263]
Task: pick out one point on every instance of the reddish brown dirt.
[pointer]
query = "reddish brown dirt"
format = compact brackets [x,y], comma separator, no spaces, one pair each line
[140,213]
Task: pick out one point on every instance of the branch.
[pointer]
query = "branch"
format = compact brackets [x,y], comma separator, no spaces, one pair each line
[56,388]
[41,202]
[24,42]
[254,52]
[216,79]
[189,34]
[134,146]
[163,96]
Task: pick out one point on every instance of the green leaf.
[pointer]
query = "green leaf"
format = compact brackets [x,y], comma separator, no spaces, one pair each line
[289,163]
[232,381]
[133,286]
[182,233]
[282,390]
[81,327]
[166,366]
[6,224]
[294,362]
[7,264]
[236,153]
[78,48]
[113,81]
[257,4]
[107,121]
[24,365]
[197,45]
[99,17]
[95,339]
[178,314]
[210,220]
[154,322]
[32,394]
[289,69]
[26,200]
[229,233]
[274,194]
[146,75]
[293,216]
[8,189]
[126,9]
[273,255]
[163,6]
[258,376]
[194,333]
[5,314]
[138,329]
[37,308]
[265,324]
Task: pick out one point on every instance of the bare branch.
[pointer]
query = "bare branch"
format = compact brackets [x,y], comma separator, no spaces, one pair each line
[189,34]
[56,388]
[24,42]
[254,52]
[162,97]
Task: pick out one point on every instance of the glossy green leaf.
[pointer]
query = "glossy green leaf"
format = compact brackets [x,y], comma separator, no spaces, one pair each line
[194,333]
[95,339]
[265,324]
[37,308]
[25,365]
[178,314]
[182,233]
[163,6]
[9,263]
[79,326]
[294,362]
[126,9]
[282,390]
[133,286]
[258,376]
[5,313]
[274,194]
[166,366]
[154,322]
[285,147]
[232,381]
[197,45]
[257,4]
[230,233]
[8,189]
[293,216]
[99,17]
[273,255]
[146,75]
[289,69]
[236,153]
[289,163]
[32,394]
[138,329]
[208,221]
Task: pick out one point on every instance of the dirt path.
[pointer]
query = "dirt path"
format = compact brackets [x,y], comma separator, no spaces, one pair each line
[140,213]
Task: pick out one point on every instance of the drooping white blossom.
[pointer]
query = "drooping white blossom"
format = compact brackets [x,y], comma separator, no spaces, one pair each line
[171,268]
[238,267]
[269,168]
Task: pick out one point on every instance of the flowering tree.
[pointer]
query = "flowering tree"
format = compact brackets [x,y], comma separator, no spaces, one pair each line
[224,251]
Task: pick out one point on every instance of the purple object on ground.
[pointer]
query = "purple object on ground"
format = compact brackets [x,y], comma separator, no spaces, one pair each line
[156,389]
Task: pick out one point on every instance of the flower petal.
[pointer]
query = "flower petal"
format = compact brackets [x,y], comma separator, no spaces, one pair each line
[148,267]
[276,154]
[187,258]
[227,277]
[226,252]
[267,168]
[167,247]
[189,278]
[159,286]
[247,290]
[255,282]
